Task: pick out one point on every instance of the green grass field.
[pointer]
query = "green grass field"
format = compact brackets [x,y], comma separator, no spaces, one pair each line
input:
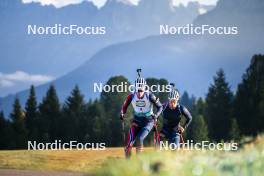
[249,160]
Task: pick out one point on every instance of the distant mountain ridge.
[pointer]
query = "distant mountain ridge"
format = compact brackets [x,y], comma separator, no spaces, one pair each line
[56,55]
[37,53]
[189,61]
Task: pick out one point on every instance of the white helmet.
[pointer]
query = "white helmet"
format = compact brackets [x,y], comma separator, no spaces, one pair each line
[140,83]
[174,94]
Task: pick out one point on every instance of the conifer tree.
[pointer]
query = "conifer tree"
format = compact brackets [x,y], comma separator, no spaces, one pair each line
[18,123]
[32,115]
[50,115]
[219,107]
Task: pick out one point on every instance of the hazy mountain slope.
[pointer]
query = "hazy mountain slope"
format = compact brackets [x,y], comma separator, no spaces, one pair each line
[189,61]
[57,55]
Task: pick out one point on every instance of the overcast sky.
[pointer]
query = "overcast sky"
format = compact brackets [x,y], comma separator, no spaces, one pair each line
[100,3]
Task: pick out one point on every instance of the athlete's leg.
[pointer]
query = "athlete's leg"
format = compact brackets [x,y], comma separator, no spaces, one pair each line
[142,134]
[174,138]
[163,133]
[130,138]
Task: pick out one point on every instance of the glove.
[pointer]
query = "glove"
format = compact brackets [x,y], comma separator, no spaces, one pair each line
[180,129]
[155,117]
[122,116]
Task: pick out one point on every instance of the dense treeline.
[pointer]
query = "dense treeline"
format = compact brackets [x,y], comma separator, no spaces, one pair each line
[221,115]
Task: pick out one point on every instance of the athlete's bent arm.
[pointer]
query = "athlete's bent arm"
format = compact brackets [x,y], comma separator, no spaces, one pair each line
[187,115]
[157,103]
[125,105]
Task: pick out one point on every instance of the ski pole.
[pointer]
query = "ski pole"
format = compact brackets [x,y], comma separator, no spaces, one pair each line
[181,139]
[156,136]
[123,133]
